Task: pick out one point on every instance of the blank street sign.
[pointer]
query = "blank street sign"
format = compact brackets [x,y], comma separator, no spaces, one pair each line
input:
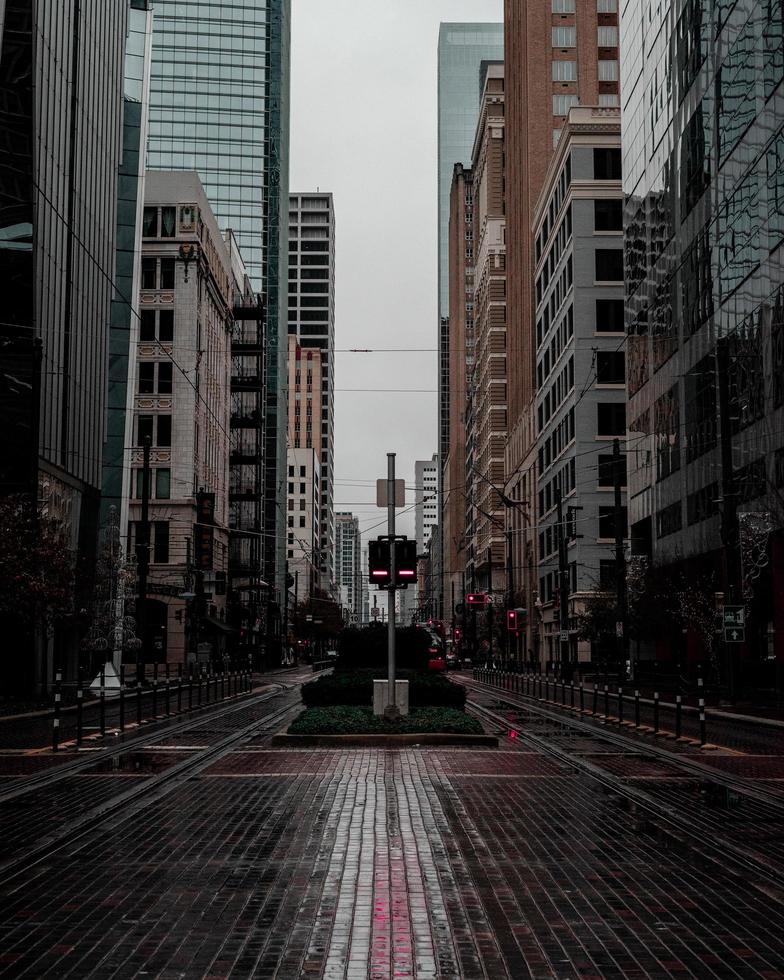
[382,498]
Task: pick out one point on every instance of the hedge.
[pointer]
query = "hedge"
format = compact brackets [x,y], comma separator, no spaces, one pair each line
[356,688]
[353,720]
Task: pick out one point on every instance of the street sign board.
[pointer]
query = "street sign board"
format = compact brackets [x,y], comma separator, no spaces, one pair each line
[734,634]
[733,616]
[564,636]
[382,495]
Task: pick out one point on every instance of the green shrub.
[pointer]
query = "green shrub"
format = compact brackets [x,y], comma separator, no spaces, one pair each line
[352,720]
[356,688]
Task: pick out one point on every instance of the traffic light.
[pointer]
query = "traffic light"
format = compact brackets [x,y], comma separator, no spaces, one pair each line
[476,598]
[516,619]
[380,565]
[457,633]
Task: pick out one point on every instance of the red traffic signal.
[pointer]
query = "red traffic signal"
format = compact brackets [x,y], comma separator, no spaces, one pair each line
[516,619]
[380,565]
[476,598]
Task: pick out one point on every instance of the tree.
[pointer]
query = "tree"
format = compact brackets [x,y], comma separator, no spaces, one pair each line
[37,580]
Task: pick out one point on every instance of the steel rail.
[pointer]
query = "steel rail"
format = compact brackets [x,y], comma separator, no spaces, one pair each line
[742,785]
[127,804]
[713,847]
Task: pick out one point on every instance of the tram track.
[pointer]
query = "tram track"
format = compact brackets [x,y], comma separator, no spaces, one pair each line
[700,837]
[146,789]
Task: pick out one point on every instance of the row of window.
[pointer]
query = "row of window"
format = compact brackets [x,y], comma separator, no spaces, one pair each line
[155,377]
[568,6]
[563,384]
[566,37]
[557,441]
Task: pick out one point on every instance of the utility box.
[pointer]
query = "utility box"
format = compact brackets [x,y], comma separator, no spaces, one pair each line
[381,697]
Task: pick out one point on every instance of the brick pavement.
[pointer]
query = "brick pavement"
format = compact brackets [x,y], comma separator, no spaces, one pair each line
[428,863]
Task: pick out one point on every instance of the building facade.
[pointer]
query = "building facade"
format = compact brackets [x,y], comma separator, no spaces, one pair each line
[426,481]
[704,232]
[61,101]
[311,321]
[557,54]
[304,531]
[181,384]
[348,564]
[580,374]
[462,49]
[219,105]
[487,416]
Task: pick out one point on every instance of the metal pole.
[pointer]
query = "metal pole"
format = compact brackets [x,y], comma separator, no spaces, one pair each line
[79,706]
[58,680]
[729,507]
[620,561]
[103,700]
[701,705]
[391,710]
[143,564]
[122,697]
[563,589]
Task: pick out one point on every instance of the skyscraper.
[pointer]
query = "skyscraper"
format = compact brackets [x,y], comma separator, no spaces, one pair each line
[558,53]
[219,105]
[703,177]
[348,563]
[462,47]
[61,98]
[311,320]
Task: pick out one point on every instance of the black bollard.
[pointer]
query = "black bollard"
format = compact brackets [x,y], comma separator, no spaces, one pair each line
[58,680]
[122,697]
[80,706]
[103,700]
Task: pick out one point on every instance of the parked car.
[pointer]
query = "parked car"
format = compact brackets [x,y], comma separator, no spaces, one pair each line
[452,661]
[437,662]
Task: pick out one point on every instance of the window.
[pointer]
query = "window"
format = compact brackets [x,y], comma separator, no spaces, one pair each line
[143,429]
[607,522]
[148,273]
[302,522]
[609,100]
[607,578]
[168,222]
[563,103]
[165,377]
[611,419]
[161,542]
[564,37]
[607,6]
[146,377]
[606,163]
[563,6]
[147,325]
[167,273]
[164,430]
[609,316]
[166,326]
[610,367]
[150,223]
[608,37]
[564,71]
[163,484]
[607,471]
[608,71]
[609,265]
[608,215]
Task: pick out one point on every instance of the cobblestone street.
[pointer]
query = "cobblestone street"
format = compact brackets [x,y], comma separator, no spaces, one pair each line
[353,863]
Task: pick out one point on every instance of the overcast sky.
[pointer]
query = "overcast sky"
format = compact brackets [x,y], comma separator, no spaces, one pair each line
[363,126]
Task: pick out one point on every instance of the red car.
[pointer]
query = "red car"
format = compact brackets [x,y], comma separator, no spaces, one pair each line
[437,661]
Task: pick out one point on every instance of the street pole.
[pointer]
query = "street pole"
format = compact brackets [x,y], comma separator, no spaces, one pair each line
[391,711]
[563,589]
[286,613]
[620,560]
[143,563]
[509,590]
[729,507]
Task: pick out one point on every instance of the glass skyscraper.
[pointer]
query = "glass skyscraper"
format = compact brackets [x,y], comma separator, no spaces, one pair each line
[219,105]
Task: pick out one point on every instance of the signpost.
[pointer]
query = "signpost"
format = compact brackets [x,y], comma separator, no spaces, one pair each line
[734,622]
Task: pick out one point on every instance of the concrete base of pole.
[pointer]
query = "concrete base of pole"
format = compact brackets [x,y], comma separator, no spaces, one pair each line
[381,705]
[111,681]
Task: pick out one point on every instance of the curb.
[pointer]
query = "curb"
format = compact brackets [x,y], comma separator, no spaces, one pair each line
[384,741]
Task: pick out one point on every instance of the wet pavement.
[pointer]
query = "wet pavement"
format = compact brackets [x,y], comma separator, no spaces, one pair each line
[379,863]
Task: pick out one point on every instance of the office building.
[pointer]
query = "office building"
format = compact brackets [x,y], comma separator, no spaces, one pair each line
[580,373]
[462,49]
[303,515]
[348,563]
[124,326]
[557,54]
[456,475]
[703,177]
[425,499]
[181,385]
[487,389]
[61,100]
[311,321]
[219,105]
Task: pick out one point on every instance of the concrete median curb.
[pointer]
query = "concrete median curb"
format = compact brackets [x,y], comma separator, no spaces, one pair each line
[282,739]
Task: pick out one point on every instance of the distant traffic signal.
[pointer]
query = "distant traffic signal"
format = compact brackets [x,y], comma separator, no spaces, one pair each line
[476,598]
[516,619]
